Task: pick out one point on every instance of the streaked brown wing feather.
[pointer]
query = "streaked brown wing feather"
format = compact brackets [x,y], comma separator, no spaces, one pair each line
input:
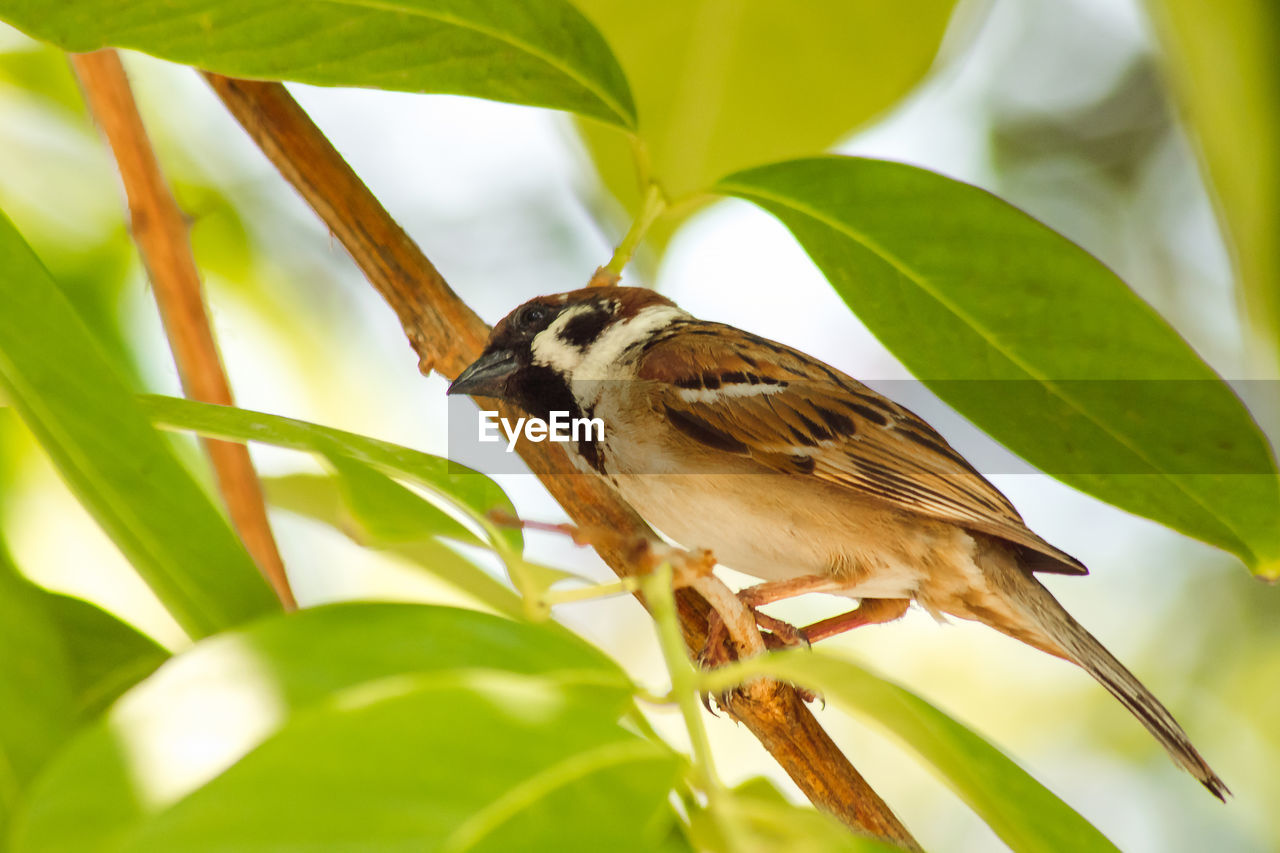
[797,415]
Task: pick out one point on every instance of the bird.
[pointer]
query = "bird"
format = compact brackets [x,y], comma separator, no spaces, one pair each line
[790,471]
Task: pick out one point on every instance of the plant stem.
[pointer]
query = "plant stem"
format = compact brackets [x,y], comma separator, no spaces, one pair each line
[160,231]
[518,572]
[660,597]
[650,209]
[586,593]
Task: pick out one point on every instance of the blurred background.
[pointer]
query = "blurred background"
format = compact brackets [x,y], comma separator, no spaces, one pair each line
[1060,107]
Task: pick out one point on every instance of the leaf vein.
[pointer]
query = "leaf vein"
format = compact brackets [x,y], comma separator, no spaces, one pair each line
[991,338]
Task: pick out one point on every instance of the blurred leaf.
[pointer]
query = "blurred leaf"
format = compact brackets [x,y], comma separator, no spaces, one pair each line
[460,486]
[373,726]
[73,400]
[389,512]
[44,72]
[538,52]
[1223,61]
[772,824]
[321,499]
[1117,134]
[219,235]
[105,655]
[1021,811]
[37,700]
[497,778]
[95,278]
[1036,342]
[541,578]
[62,660]
[721,85]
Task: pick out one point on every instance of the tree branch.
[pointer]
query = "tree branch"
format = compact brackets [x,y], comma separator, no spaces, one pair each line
[160,230]
[447,335]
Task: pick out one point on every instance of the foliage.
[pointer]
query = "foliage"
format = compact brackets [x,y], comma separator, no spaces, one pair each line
[1019,809]
[69,395]
[542,53]
[722,86]
[1082,380]
[426,727]
[1228,75]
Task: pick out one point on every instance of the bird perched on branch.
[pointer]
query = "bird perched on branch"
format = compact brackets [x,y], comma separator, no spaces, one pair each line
[790,471]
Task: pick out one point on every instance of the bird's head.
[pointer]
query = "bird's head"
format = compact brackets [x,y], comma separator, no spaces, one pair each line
[538,350]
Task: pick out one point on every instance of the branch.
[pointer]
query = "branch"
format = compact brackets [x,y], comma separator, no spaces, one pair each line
[447,335]
[160,230]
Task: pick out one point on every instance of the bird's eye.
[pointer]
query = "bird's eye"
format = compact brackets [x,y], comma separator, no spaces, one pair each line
[532,316]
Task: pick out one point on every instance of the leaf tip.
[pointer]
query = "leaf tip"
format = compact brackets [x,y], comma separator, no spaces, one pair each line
[1267,569]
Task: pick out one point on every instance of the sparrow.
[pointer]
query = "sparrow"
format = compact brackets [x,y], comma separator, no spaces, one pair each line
[792,472]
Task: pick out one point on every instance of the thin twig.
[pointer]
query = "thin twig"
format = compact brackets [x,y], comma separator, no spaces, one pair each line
[160,230]
[651,208]
[447,335]
[684,689]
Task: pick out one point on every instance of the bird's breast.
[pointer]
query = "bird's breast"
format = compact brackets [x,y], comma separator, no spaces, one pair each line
[770,524]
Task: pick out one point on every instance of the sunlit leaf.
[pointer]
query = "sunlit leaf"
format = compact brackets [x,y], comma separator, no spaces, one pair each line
[389,512]
[105,656]
[61,661]
[45,73]
[764,819]
[321,499]
[721,85]
[1021,811]
[220,236]
[542,577]
[387,515]
[368,725]
[37,701]
[468,490]
[510,763]
[1035,341]
[538,52]
[73,400]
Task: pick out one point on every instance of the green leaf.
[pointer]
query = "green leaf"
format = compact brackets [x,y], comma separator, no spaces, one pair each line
[321,499]
[389,512]
[1036,342]
[105,656]
[514,763]
[721,85]
[71,398]
[538,52]
[61,661]
[461,487]
[37,701]
[769,822]
[44,73]
[1021,811]
[371,726]
[1222,60]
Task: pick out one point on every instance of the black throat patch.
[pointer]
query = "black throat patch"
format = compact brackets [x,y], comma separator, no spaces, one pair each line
[541,390]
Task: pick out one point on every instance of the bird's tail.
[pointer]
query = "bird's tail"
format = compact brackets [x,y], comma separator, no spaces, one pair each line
[1069,640]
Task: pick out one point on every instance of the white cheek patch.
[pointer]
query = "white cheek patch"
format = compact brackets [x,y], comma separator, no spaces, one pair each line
[711,395]
[551,350]
[600,359]
[603,356]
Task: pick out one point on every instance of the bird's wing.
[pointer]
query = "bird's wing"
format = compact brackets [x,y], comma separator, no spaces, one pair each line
[747,396]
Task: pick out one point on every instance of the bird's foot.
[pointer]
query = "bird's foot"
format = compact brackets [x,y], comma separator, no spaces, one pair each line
[719,648]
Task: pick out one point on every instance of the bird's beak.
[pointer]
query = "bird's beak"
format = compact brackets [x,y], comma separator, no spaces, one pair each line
[486,376]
